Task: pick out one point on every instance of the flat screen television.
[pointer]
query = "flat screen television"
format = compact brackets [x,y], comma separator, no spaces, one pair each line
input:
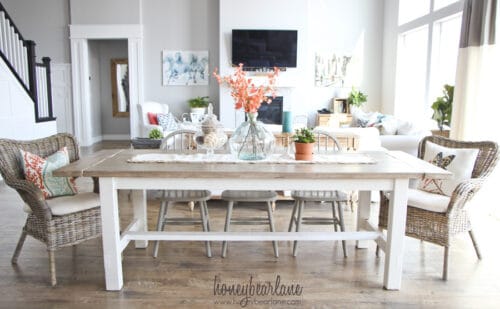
[264,48]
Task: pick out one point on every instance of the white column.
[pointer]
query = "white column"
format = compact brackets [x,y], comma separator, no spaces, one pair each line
[81,90]
[136,84]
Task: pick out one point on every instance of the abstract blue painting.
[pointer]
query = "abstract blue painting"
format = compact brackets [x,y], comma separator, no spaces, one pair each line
[185,68]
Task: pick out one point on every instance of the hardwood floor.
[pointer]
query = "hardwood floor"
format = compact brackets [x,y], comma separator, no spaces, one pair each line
[182,276]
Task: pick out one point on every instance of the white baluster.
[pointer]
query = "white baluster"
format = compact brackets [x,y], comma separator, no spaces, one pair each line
[8,33]
[12,44]
[40,92]
[4,34]
[2,40]
[45,93]
[43,78]
[24,58]
[16,63]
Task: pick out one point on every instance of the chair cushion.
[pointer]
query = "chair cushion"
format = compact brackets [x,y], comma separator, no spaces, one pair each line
[428,201]
[38,170]
[64,205]
[458,161]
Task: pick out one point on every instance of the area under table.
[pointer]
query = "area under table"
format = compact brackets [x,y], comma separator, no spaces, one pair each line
[390,172]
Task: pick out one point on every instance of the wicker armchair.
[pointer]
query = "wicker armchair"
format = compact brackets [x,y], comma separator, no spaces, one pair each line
[55,231]
[440,227]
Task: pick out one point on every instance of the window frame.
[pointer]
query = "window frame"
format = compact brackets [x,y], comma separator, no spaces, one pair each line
[428,20]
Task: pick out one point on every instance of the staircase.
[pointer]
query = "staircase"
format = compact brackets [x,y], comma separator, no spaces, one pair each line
[20,57]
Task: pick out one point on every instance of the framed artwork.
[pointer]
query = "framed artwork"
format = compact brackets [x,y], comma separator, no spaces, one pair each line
[185,68]
[331,69]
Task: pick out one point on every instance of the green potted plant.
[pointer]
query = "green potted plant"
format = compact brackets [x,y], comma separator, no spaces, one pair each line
[442,107]
[199,104]
[155,134]
[356,98]
[304,141]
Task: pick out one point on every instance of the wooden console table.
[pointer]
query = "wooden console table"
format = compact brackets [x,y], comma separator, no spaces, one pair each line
[335,120]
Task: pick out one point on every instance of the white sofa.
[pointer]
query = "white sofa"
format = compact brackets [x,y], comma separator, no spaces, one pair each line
[395,134]
[151,107]
[407,143]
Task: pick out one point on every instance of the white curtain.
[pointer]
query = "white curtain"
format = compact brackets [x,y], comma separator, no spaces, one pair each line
[476,104]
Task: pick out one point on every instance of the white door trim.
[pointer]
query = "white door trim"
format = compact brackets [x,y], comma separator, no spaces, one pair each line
[79,36]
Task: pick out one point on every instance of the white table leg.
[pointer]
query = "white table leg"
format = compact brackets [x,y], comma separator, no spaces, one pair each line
[111,234]
[364,201]
[140,213]
[396,227]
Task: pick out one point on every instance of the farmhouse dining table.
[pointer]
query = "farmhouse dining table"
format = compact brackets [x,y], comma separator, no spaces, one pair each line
[389,171]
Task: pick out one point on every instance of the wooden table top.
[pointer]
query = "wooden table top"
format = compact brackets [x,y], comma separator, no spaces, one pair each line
[113,163]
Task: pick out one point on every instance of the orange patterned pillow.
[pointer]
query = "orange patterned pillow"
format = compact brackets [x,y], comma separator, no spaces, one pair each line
[39,171]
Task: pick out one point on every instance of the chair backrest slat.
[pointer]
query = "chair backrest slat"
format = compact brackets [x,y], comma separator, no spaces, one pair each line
[180,141]
[326,143]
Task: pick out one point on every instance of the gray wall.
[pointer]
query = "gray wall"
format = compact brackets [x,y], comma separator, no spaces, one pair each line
[105,12]
[179,25]
[354,28]
[46,23]
[109,49]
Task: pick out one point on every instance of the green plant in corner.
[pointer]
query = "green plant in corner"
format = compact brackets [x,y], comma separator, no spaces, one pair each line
[199,102]
[155,134]
[356,98]
[304,135]
[443,106]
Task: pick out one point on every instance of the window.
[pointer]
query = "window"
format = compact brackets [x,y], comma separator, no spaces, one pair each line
[428,44]
[411,72]
[412,9]
[446,36]
[439,4]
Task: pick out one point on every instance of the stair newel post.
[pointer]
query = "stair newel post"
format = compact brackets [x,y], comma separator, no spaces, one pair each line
[46,63]
[30,48]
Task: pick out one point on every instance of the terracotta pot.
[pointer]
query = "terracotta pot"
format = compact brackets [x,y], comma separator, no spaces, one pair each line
[304,151]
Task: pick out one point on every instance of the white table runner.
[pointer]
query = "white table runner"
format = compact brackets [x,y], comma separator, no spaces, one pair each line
[340,158]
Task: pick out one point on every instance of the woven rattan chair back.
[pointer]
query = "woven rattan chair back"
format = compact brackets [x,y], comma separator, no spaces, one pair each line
[486,158]
[55,231]
[12,171]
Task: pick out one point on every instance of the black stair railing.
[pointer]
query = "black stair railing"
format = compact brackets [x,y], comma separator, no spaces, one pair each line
[20,56]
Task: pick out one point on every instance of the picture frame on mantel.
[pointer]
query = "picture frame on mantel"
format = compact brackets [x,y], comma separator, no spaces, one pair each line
[185,68]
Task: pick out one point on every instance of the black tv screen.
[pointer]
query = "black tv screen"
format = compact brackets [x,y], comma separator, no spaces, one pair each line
[264,48]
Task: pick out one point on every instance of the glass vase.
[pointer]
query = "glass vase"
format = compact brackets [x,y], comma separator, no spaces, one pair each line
[251,140]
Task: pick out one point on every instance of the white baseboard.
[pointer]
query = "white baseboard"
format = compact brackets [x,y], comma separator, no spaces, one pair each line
[95,139]
[116,137]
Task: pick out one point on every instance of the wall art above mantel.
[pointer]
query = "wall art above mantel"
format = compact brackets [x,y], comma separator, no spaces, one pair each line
[185,68]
